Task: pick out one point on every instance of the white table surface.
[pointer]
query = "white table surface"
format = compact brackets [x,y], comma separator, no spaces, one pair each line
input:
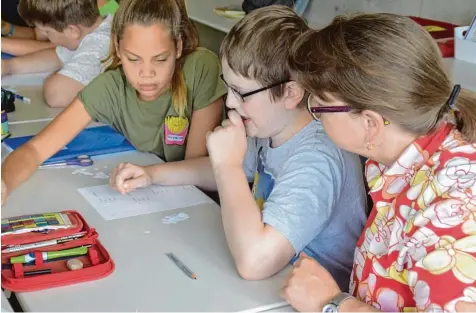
[24,79]
[144,278]
[34,111]
[26,129]
[286,308]
[6,307]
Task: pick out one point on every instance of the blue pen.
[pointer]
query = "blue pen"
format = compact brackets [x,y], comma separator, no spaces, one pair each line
[17,96]
[22,98]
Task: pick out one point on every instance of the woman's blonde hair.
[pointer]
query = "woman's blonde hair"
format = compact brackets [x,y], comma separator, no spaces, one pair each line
[385,63]
[172,14]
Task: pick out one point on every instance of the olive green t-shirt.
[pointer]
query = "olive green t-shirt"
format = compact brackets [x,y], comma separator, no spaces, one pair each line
[154,126]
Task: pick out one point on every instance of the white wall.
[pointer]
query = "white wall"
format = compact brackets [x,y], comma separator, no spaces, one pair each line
[321,12]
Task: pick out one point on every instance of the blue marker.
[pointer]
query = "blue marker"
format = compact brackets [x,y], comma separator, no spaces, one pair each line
[17,96]
[22,98]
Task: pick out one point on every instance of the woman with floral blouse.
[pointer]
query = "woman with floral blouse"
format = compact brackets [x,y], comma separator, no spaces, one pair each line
[378,84]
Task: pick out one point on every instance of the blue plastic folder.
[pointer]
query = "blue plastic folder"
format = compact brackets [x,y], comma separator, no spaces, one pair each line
[6,56]
[91,141]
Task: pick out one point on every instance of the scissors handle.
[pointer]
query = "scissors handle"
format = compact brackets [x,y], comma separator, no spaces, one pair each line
[80,162]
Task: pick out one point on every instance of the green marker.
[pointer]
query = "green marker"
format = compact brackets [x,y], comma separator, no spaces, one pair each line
[30,257]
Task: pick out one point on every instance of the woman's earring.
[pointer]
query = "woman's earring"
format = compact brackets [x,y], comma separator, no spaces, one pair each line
[369,146]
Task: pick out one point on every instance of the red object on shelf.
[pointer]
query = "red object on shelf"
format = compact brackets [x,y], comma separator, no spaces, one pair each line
[443,33]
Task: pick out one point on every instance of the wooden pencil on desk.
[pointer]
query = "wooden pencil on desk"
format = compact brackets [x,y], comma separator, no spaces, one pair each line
[181,266]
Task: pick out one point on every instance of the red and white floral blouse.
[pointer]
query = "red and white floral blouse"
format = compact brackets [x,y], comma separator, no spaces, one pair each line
[418,249]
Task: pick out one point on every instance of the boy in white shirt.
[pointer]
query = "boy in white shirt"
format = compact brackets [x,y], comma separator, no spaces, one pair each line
[82,37]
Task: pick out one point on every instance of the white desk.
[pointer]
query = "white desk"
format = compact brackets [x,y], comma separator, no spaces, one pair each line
[144,278]
[34,111]
[286,308]
[24,79]
[6,307]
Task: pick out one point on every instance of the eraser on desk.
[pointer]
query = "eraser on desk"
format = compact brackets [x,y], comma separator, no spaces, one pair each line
[74,264]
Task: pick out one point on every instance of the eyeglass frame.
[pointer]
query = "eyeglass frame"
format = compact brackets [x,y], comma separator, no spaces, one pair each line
[325,109]
[250,93]
[331,109]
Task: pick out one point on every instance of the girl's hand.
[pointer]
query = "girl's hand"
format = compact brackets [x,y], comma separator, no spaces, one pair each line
[127,177]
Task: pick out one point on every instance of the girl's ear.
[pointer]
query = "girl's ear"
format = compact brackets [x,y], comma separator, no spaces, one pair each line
[179,48]
[116,46]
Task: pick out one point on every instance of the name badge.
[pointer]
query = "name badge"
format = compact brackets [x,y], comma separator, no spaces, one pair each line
[176,130]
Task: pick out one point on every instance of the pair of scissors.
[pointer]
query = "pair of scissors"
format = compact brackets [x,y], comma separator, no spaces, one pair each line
[80,160]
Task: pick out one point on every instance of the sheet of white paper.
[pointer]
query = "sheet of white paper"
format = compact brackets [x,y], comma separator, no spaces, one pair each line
[111,205]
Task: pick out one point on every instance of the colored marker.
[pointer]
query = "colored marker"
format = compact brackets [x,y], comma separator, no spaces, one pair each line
[22,98]
[43,243]
[8,266]
[19,97]
[5,136]
[181,266]
[30,257]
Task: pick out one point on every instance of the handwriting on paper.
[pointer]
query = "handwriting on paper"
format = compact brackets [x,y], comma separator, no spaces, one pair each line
[111,205]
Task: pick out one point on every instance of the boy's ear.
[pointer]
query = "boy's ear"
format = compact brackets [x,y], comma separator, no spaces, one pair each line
[73,32]
[293,95]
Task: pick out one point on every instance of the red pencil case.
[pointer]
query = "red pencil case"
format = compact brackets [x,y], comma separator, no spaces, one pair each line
[18,277]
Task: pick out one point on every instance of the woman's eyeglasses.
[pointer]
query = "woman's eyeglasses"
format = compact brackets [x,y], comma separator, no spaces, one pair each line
[242,96]
[316,111]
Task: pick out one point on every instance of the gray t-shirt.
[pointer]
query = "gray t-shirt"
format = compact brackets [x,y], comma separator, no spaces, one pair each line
[313,193]
[84,63]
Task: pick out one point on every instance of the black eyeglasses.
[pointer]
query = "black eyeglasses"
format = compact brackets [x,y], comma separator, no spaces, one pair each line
[316,111]
[242,96]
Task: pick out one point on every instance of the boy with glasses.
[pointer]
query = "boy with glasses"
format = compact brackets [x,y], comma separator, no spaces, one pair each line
[307,195]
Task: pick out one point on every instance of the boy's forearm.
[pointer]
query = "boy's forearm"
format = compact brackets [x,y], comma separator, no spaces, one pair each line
[241,215]
[18,31]
[19,46]
[198,172]
[37,62]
